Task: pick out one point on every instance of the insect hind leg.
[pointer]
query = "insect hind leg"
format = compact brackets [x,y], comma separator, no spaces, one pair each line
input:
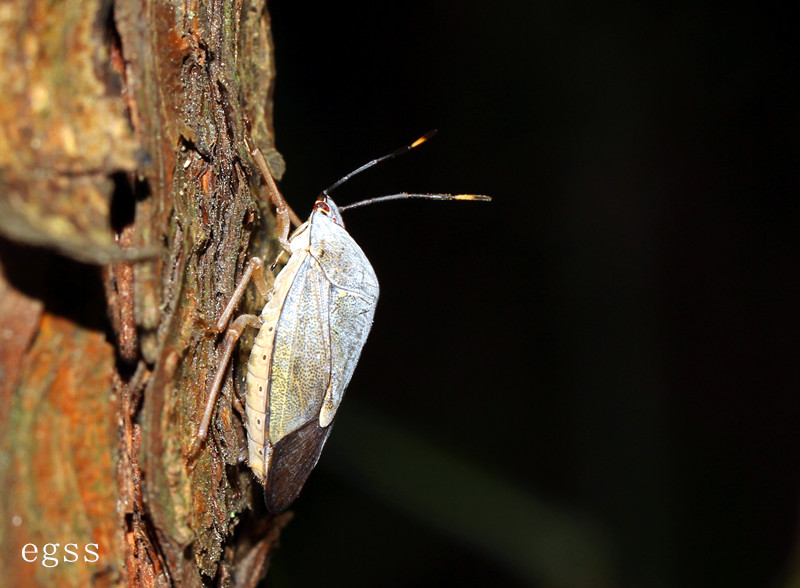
[231,337]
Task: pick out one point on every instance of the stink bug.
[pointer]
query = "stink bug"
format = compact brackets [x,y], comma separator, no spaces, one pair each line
[311,332]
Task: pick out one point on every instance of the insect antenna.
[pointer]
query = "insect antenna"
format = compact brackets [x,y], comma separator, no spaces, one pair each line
[404,195]
[396,153]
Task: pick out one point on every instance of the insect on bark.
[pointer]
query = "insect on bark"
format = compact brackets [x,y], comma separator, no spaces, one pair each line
[311,332]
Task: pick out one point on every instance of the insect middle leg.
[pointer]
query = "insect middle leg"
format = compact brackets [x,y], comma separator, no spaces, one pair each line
[253,270]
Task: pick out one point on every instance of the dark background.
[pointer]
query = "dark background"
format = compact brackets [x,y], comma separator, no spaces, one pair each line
[592,380]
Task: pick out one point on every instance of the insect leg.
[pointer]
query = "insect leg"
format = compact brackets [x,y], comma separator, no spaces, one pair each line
[254,270]
[231,337]
[284,214]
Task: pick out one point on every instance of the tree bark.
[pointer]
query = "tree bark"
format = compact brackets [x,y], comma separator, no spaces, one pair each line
[128,204]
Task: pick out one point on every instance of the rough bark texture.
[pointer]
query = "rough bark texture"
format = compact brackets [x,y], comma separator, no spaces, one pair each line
[127,203]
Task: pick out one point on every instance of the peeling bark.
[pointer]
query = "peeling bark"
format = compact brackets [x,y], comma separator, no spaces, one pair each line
[127,204]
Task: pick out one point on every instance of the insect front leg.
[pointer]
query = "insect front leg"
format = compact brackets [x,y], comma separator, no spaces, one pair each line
[283,213]
[231,337]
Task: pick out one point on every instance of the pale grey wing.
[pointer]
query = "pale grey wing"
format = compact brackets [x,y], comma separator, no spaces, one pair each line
[351,316]
[301,361]
[353,297]
[342,259]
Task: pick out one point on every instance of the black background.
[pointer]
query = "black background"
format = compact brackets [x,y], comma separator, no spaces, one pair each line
[596,374]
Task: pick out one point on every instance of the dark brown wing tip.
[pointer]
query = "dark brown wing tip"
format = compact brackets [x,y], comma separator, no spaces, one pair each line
[293,458]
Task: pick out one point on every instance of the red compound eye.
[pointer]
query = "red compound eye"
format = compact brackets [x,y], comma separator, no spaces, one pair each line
[323,206]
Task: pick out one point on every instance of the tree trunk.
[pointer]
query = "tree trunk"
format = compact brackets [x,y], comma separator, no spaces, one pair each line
[127,208]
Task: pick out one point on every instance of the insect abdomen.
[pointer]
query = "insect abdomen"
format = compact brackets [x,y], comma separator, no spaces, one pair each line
[259,373]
